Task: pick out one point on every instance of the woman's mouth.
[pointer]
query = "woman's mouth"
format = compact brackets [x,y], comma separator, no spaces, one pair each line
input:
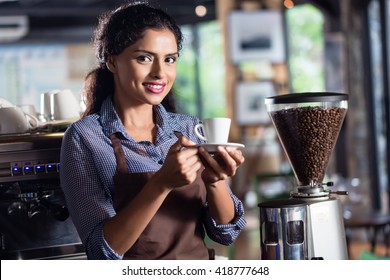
[155,88]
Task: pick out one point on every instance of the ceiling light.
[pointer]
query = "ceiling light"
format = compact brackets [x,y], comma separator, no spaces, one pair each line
[200,11]
[288,4]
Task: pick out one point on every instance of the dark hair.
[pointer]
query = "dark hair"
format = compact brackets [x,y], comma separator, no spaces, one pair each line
[117,30]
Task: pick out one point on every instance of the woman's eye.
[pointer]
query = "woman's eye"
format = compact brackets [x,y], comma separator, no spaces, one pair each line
[144,58]
[170,59]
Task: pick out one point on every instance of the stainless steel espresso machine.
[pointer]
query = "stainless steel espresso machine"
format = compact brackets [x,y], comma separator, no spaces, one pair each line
[310,224]
[34,220]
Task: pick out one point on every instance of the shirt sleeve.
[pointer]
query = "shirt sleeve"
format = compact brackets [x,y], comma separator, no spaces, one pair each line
[87,200]
[225,234]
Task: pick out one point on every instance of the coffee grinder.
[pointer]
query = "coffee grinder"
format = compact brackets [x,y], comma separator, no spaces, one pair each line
[309,225]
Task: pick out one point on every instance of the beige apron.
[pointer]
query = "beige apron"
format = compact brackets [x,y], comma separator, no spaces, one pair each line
[176,231]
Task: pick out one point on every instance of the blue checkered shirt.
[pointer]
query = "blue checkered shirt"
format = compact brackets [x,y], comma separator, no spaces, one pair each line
[88,165]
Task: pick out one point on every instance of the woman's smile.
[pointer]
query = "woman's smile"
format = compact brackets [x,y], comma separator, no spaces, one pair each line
[154,87]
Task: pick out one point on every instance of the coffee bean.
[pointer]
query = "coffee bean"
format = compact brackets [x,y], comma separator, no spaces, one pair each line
[308,136]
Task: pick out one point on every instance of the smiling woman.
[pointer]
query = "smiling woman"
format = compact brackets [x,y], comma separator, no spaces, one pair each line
[145,71]
[132,188]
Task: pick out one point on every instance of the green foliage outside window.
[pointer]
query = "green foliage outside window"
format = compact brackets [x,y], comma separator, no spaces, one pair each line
[305,45]
[208,60]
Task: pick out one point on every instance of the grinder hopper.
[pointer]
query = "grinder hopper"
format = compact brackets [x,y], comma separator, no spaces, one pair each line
[308,125]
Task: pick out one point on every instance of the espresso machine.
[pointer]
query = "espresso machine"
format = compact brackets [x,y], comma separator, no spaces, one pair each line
[34,219]
[309,225]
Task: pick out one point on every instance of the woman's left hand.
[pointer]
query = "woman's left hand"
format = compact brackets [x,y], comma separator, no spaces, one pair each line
[221,165]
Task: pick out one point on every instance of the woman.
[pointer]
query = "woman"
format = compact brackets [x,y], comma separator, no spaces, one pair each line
[134,186]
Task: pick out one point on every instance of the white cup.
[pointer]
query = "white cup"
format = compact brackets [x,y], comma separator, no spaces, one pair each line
[59,105]
[66,105]
[215,130]
[13,121]
[47,106]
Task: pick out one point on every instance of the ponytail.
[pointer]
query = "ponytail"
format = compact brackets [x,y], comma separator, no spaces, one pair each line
[98,84]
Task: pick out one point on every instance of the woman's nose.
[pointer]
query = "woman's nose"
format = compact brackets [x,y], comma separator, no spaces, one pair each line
[157,70]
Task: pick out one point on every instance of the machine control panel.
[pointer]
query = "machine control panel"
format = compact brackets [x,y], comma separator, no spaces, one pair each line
[30,169]
[29,165]
[30,157]
[21,169]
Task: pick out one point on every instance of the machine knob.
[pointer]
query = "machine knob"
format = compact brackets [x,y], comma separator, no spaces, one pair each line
[36,211]
[17,208]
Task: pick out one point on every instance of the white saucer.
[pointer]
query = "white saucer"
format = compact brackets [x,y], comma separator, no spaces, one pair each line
[213,147]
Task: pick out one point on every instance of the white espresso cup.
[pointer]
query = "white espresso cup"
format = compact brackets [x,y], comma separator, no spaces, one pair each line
[13,121]
[59,105]
[65,105]
[47,105]
[215,130]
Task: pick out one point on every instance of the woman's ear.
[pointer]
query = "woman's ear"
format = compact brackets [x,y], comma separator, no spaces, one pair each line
[110,64]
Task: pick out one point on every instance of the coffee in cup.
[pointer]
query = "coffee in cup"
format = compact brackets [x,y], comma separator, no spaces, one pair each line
[215,130]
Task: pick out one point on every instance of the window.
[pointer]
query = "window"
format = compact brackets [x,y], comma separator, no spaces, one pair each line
[200,82]
[305,51]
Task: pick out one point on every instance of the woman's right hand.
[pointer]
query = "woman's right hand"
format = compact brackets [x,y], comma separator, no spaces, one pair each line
[181,166]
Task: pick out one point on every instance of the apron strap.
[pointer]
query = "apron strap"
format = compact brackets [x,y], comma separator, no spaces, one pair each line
[121,165]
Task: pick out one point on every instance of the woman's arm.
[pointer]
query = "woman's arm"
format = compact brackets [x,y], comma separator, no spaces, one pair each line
[217,169]
[225,234]
[87,195]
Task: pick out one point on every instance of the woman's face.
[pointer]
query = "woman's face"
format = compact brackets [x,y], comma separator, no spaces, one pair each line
[145,71]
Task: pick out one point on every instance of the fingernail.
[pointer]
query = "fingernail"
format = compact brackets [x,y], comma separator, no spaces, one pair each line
[177,133]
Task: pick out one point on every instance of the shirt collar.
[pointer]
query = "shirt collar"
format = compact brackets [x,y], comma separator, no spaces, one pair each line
[109,119]
[111,122]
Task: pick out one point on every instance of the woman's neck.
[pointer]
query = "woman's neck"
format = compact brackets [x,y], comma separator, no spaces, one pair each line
[138,122]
